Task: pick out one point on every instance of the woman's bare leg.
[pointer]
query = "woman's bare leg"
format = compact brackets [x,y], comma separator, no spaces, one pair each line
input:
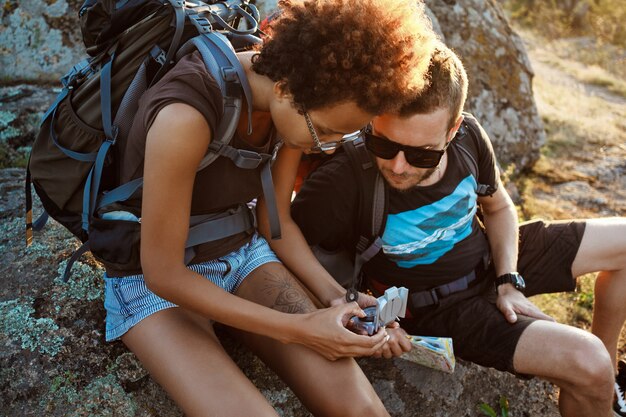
[326,388]
[182,353]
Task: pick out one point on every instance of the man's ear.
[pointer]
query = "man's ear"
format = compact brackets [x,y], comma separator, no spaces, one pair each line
[453,129]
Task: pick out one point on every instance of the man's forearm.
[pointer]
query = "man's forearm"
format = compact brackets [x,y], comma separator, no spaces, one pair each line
[502,227]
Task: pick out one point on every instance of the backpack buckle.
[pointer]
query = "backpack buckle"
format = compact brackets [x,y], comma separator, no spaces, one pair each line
[215,147]
[485,190]
[77,72]
[229,74]
[434,296]
[201,23]
[114,132]
[158,55]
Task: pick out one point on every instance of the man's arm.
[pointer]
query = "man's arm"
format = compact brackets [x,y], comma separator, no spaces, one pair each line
[501,224]
[502,228]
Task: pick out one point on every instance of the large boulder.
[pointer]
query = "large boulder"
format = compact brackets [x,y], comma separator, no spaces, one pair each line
[39,40]
[500,76]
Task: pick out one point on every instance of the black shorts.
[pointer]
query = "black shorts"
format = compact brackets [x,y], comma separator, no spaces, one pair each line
[479,331]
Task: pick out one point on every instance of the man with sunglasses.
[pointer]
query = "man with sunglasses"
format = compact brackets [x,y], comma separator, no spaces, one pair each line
[468,281]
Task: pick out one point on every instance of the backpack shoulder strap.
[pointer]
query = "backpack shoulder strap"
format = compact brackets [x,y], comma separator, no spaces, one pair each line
[371,211]
[469,131]
[222,63]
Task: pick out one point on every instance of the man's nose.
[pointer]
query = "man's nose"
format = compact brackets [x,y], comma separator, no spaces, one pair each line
[399,163]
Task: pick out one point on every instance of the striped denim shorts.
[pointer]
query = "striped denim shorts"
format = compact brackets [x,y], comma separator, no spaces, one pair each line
[127,300]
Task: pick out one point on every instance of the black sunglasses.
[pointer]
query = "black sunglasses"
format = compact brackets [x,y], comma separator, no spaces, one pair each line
[417,157]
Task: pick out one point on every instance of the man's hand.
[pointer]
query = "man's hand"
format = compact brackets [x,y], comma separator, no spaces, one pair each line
[512,302]
[396,344]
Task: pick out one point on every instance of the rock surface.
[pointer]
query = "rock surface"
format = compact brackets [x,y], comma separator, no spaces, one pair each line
[54,360]
[39,40]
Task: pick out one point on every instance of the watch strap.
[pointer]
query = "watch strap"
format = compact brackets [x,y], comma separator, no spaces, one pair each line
[511,278]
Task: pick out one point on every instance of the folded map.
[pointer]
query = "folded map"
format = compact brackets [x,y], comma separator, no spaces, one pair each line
[433,352]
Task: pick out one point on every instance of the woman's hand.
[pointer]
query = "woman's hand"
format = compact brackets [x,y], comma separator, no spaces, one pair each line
[325,332]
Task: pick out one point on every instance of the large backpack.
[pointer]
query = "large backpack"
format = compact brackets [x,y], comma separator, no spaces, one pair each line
[345,264]
[75,160]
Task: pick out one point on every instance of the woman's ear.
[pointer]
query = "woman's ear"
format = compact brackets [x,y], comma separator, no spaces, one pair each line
[281,92]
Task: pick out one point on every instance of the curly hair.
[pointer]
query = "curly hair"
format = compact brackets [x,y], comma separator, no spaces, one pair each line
[324,52]
[447,87]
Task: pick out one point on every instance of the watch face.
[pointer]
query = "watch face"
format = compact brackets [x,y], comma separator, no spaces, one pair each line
[520,284]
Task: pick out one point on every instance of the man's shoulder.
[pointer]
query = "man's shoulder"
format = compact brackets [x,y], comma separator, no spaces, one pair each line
[475,149]
[472,136]
[331,166]
[473,127]
[470,118]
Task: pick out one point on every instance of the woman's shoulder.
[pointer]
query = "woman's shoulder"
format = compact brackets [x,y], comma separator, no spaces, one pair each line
[188,82]
[190,71]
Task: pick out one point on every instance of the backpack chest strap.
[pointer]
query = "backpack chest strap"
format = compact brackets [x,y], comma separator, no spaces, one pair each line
[205,229]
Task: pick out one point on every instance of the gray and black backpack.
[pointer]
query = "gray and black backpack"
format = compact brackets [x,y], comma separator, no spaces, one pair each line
[75,160]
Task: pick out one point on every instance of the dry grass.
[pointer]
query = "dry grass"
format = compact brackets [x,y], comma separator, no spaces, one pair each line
[574,112]
[602,58]
[591,74]
[595,75]
[588,31]
[584,112]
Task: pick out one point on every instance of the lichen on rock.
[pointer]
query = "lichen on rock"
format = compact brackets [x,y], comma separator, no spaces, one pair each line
[18,324]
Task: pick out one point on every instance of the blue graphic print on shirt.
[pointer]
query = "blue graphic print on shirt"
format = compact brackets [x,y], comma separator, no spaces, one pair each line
[423,235]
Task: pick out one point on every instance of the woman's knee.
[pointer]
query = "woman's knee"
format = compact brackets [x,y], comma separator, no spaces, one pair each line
[272,285]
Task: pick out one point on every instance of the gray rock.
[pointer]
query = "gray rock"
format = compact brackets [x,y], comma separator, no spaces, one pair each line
[54,360]
[39,40]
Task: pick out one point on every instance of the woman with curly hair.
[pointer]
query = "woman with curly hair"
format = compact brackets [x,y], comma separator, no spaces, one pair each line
[327,69]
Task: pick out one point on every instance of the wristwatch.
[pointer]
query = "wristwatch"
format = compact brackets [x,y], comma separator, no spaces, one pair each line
[511,278]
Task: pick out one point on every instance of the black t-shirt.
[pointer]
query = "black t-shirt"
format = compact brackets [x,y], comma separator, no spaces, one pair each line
[431,234]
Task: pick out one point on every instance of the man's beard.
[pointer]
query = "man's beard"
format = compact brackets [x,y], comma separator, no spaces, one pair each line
[408,182]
